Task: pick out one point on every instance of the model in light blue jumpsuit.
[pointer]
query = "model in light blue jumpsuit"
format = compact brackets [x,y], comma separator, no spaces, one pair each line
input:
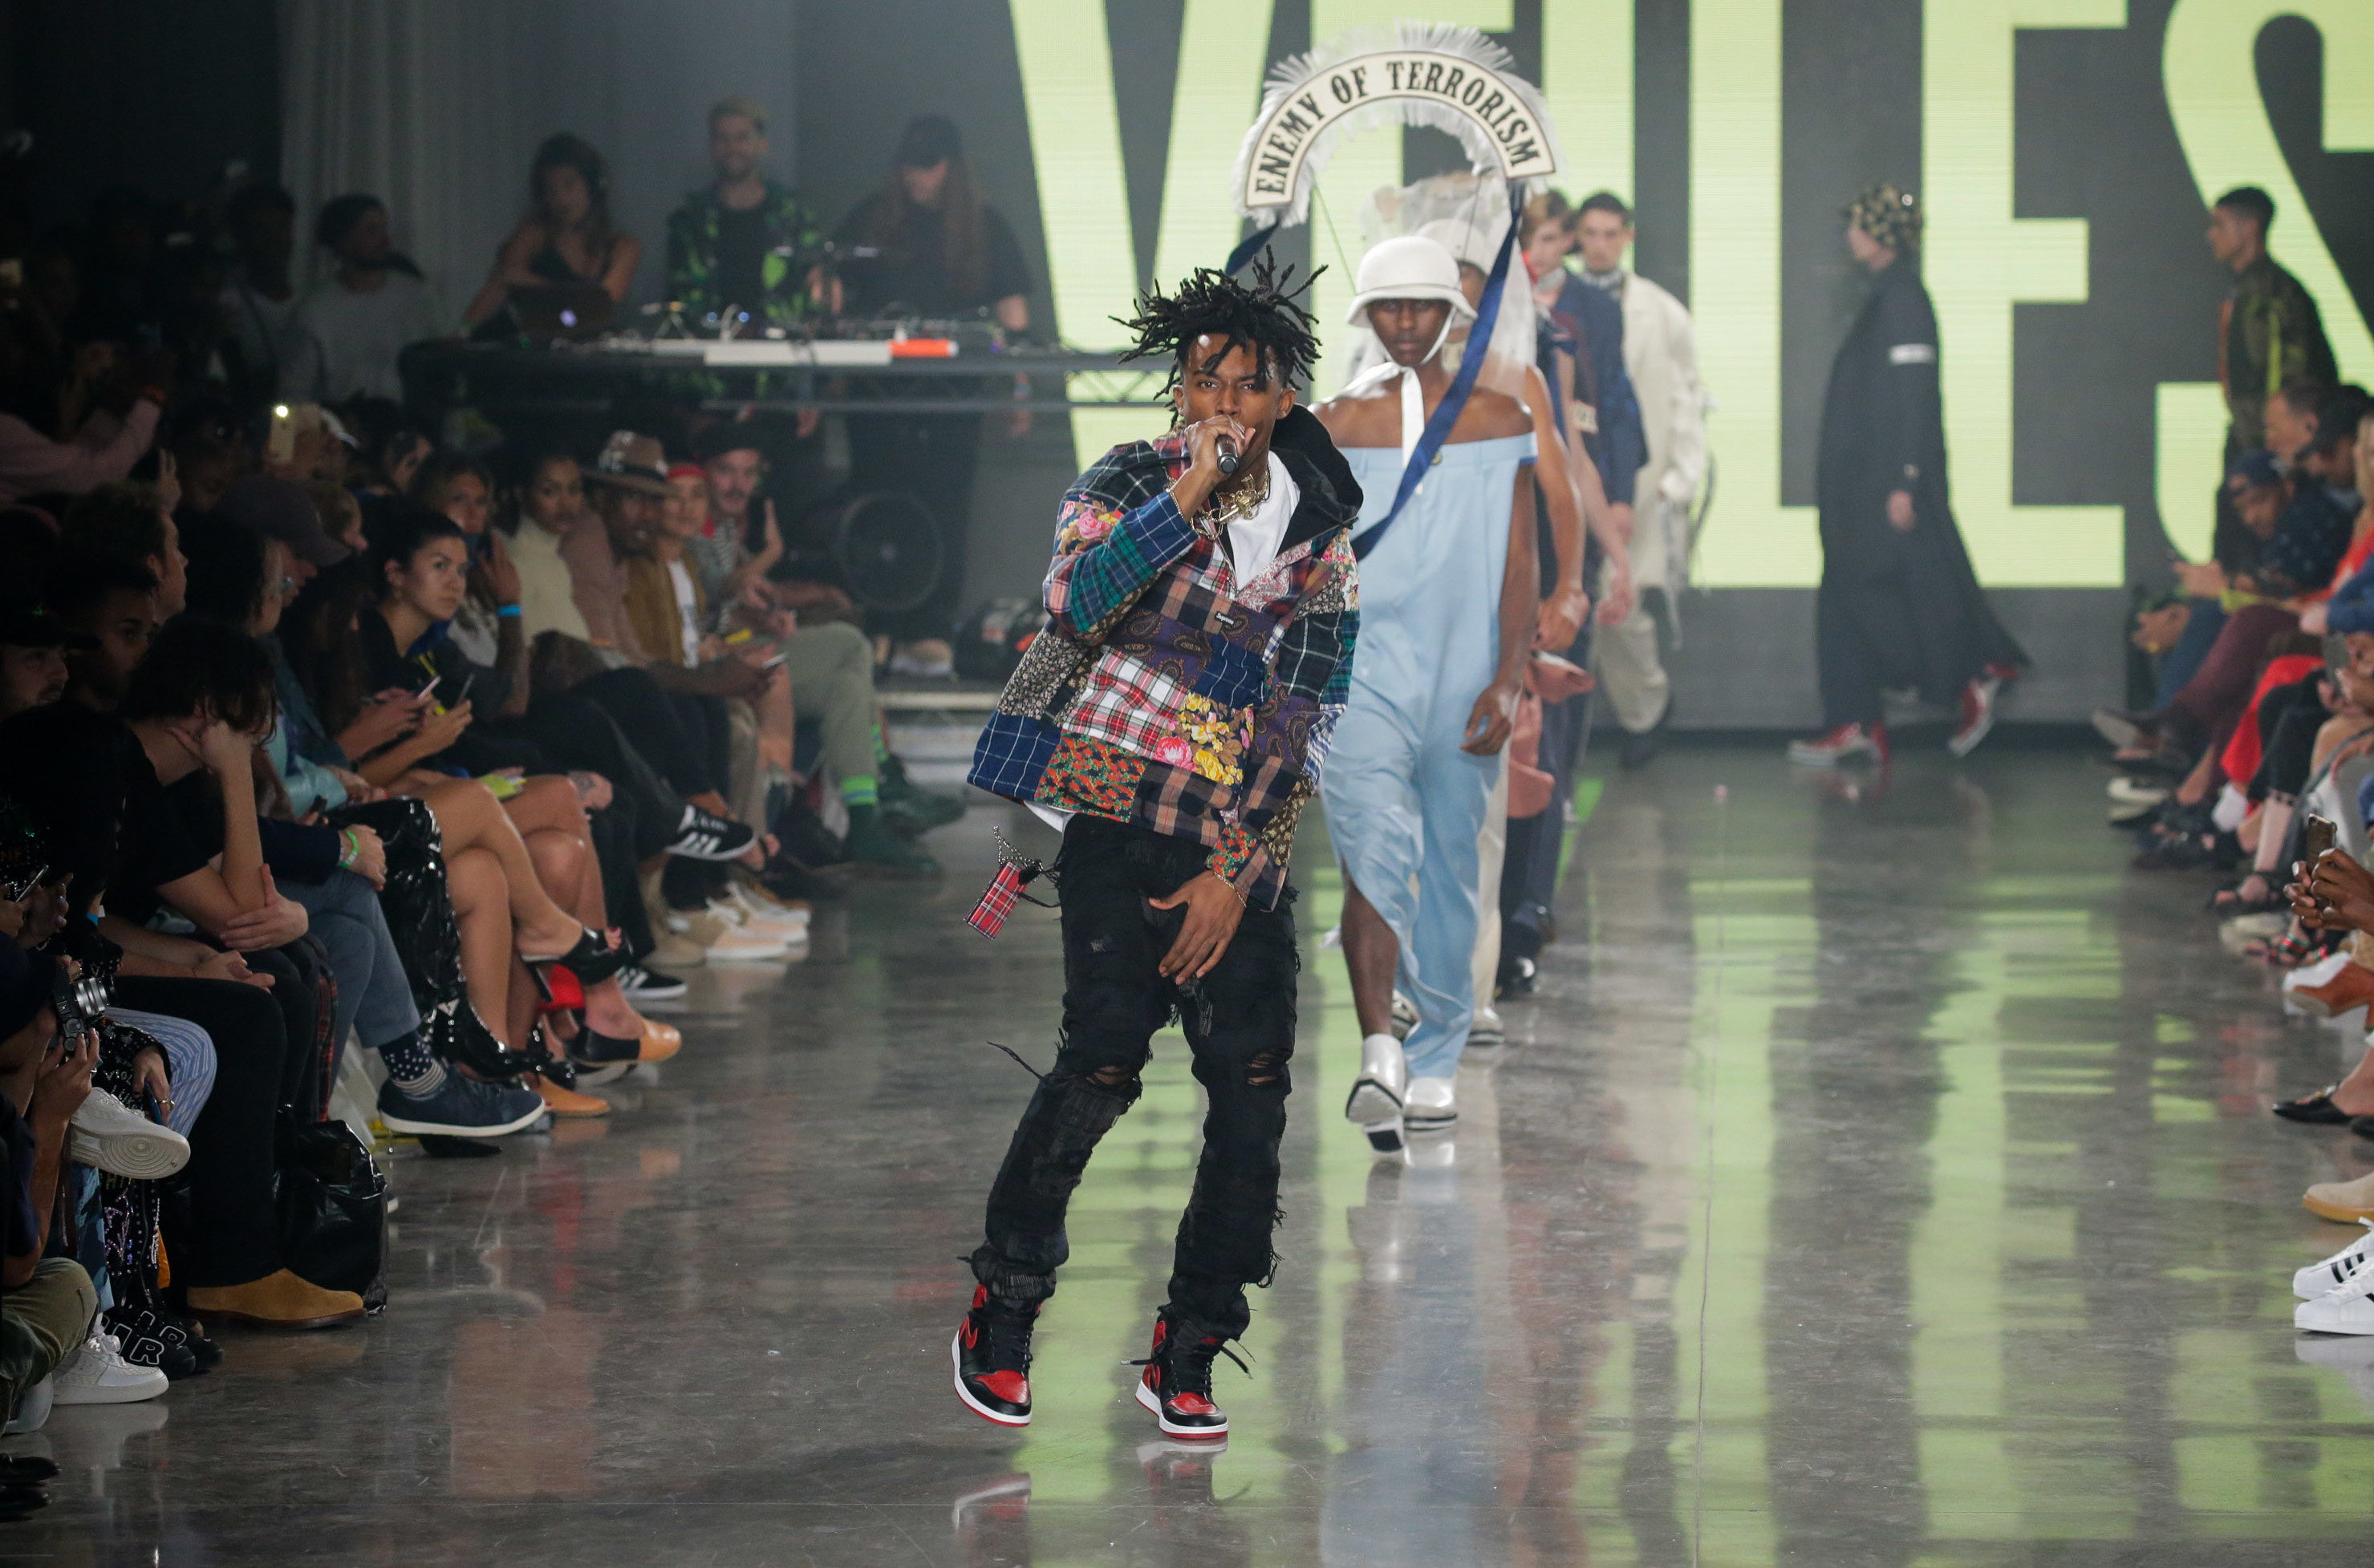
[1403,802]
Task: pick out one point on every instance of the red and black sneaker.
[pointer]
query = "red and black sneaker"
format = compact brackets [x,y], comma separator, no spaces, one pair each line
[1176,1385]
[992,1351]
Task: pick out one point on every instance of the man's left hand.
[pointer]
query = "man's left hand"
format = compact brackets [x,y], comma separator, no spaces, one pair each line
[280,921]
[1900,511]
[1493,717]
[1213,912]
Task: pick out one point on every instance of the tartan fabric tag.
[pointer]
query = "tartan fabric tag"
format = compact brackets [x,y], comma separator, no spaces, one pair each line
[988,916]
[1015,872]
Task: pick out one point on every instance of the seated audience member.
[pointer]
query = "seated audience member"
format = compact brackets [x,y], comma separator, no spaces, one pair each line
[32,660]
[103,447]
[2305,535]
[827,659]
[125,523]
[2351,606]
[811,623]
[488,625]
[263,347]
[2329,457]
[418,559]
[361,317]
[286,514]
[547,507]
[658,726]
[567,236]
[95,782]
[50,1303]
[237,578]
[2292,417]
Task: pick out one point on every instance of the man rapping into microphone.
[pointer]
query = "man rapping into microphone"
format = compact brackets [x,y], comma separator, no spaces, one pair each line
[1172,722]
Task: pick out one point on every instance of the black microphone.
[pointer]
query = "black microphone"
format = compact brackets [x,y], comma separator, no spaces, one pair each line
[1227,456]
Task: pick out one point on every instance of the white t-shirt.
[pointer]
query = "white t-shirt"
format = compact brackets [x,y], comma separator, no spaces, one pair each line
[1253,540]
[688,611]
[358,336]
[270,338]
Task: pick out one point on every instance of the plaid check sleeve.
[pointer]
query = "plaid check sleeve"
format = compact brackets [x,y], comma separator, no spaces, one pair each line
[1105,557]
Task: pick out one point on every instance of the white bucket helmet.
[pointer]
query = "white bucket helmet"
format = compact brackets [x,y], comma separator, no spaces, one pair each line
[1408,266]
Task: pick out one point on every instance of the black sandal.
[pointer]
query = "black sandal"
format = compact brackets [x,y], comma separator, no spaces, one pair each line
[2314,1110]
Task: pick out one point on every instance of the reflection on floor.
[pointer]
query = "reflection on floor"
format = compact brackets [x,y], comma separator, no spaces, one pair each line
[1881,1180]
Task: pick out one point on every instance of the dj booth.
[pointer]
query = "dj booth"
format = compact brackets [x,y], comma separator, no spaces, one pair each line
[884,544]
[938,375]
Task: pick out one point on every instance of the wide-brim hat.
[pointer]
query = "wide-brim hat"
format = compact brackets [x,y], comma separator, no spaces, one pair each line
[1408,266]
[631,461]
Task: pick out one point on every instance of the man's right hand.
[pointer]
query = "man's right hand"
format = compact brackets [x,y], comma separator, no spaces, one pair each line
[442,730]
[1193,487]
[224,749]
[389,716]
[2336,894]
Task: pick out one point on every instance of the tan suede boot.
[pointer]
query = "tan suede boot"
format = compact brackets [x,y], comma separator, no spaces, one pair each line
[280,1300]
[2347,1201]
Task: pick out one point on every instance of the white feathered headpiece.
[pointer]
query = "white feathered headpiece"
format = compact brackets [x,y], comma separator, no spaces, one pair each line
[1453,79]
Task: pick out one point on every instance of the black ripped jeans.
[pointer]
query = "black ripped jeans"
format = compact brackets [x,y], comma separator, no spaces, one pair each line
[1240,1023]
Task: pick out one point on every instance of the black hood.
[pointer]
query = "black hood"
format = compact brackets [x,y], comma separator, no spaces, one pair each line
[1331,496]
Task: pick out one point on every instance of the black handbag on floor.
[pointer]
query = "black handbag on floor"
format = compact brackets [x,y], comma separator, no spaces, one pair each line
[332,1207]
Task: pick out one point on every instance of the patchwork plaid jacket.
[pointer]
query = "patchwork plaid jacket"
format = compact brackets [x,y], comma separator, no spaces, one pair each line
[1165,692]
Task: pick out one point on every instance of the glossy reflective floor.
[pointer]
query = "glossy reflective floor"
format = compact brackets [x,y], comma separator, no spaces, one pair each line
[1880,1180]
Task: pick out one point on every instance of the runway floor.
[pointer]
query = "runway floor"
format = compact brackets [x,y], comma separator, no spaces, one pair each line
[1879,1181]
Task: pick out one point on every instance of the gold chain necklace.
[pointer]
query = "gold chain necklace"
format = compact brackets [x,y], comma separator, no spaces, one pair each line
[1224,508]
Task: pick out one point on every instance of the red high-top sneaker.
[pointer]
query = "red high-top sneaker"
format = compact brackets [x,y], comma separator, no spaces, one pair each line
[992,1353]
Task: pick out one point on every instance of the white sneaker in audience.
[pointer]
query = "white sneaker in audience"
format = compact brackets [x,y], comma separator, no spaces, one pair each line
[111,1136]
[1487,1027]
[765,907]
[734,914]
[2338,1270]
[97,1374]
[2344,1309]
[722,944]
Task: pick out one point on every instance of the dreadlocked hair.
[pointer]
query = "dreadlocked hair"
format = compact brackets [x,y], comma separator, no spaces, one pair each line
[1263,316]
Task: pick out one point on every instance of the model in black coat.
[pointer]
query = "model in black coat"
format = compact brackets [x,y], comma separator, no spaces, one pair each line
[1900,606]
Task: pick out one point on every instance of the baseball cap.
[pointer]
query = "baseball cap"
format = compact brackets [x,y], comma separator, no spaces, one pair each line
[279,509]
[24,627]
[929,139]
